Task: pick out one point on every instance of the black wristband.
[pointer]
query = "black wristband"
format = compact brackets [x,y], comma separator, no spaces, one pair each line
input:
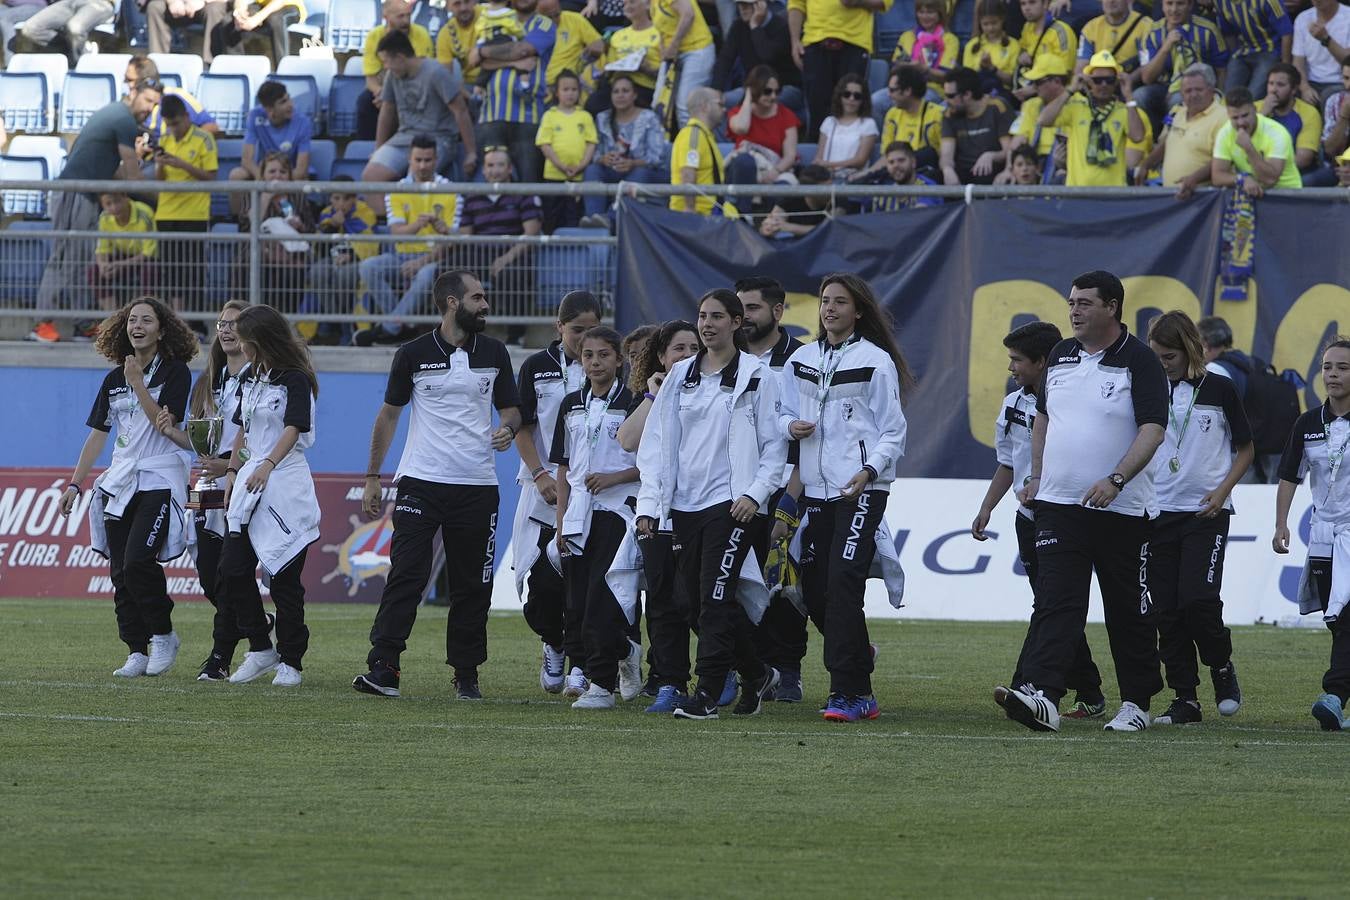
[372,475]
[231,470]
[77,488]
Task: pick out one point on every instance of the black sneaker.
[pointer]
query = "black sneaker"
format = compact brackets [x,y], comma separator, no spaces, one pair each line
[752,697]
[1227,693]
[651,687]
[381,680]
[466,688]
[1181,712]
[215,668]
[698,705]
[789,688]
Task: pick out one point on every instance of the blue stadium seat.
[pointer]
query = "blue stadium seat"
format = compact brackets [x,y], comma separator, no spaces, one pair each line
[171,79]
[187,66]
[878,74]
[890,25]
[26,98]
[342,104]
[227,98]
[304,91]
[571,267]
[231,148]
[82,95]
[48,147]
[24,168]
[51,65]
[348,22]
[25,258]
[114,64]
[254,68]
[806,154]
[352,167]
[354,66]
[358,150]
[963,20]
[322,70]
[322,155]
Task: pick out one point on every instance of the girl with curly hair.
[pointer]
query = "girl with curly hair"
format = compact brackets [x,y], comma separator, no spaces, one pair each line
[272,513]
[136,515]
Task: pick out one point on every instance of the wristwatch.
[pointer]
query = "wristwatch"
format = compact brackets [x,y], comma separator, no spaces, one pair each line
[1117,479]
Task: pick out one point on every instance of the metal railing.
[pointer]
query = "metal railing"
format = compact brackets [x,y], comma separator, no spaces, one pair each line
[366,280]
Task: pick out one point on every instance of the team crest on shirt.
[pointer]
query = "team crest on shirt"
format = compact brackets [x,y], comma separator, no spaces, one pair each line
[613,430]
[847,408]
[1205,422]
[484,385]
[1108,389]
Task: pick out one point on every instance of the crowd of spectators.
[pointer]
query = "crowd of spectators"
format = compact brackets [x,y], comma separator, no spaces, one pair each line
[1249,93]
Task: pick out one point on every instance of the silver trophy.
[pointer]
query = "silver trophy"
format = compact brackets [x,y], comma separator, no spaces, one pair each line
[205,435]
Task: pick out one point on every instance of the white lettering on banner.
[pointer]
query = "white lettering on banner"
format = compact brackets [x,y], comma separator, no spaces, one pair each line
[29,554]
[14,508]
[28,511]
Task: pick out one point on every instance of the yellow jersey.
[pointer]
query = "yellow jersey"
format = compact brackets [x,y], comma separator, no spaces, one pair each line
[497,25]
[695,148]
[567,133]
[831,19]
[403,208]
[1123,40]
[370,60]
[945,59]
[575,34]
[122,240]
[1027,124]
[198,148]
[919,130]
[1057,40]
[454,42]
[626,40]
[1002,55]
[1076,120]
[667,21]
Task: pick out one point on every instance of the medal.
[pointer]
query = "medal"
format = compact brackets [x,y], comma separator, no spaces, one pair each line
[122,440]
[1174,464]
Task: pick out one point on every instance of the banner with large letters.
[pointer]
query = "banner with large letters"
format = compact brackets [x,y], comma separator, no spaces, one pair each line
[958,277]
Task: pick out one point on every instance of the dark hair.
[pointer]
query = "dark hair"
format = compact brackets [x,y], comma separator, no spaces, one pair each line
[650,362]
[1339,341]
[276,156]
[203,392]
[771,289]
[1284,68]
[343,177]
[1236,97]
[613,120]
[1215,332]
[271,93]
[606,334]
[177,343]
[395,43]
[143,67]
[578,303]
[1033,340]
[874,321]
[172,107]
[734,307]
[423,142]
[454,283]
[987,9]
[1107,285]
[813,174]
[1025,151]
[937,6]
[967,81]
[911,79]
[901,146]
[276,346]
[757,79]
[837,99]
[1175,331]
[566,73]
[640,333]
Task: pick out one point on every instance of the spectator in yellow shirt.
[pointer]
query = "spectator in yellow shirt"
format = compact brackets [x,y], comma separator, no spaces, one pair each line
[1119,29]
[1185,148]
[912,119]
[122,259]
[694,157]
[577,44]
[397,17]
[455,40]
[830,39]
[1043,35]
[993,53]
[1252,151]
[567,139]
[1098,119]
[185,153]
[640,34]
[1050,79]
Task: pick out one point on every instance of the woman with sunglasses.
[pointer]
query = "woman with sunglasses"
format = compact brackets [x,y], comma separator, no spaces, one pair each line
[765,132]
[849,135]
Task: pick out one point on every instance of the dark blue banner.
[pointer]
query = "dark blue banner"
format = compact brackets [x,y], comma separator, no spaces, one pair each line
[958,277]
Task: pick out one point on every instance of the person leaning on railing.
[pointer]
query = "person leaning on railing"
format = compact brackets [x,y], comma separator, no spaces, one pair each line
[285,260]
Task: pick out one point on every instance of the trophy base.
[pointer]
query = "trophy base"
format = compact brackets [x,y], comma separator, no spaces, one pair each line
[206,499]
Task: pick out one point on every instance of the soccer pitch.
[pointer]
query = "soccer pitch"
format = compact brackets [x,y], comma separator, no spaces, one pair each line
[165,787]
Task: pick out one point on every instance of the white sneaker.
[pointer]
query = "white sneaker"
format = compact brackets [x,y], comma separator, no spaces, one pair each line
[595,697]
[134,667]
[287,676]
[551,670]
[630,672]
[1030,707]
[163,652]
[1130,718]
[576,683]
[256,662]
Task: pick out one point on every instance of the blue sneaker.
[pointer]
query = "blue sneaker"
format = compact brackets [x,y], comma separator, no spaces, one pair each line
[851,709]
[1327,712]
[666,698]
[789,688]
[728,690]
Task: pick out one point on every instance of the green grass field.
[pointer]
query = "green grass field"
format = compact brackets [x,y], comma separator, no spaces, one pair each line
[165,788]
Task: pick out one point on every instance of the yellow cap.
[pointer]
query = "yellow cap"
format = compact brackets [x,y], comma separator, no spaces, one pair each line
[1103,59]
[1045,67]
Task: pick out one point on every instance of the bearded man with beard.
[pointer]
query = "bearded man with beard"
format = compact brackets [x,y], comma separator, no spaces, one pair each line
[454,376]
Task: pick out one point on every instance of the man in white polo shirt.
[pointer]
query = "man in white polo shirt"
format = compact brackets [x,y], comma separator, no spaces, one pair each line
[1100,416]
[453,377]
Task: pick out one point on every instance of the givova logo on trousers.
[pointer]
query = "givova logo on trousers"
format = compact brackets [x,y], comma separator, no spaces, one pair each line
[856,526]
[1214,559]
[491,549]
[1145,598]
[728,564]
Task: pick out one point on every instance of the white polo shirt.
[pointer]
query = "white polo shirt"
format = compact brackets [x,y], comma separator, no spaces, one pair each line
[586,440]
[1203,447]
[1012,438]
[545,379]
[1318,437]
[1095,403]
[453,391]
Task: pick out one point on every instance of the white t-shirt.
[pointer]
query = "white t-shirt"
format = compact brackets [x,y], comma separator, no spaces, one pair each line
[844,139]
[704,478]
[1322,66]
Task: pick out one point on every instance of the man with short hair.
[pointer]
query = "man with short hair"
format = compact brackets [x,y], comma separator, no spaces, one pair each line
[694,157]
[1180,39]
[759,36]
[1050,79]
[144,67]
[912,119]
[902,169]
[1336,117]
[1321,45]
[1251,151]
[1098,124]
[976,132]
[456,38]
[185,153]
[411,213]
[454,377]
[513,103]
[272,127]
[1220,358]
[1119,29]
[1186,146]
[508,267]
[105,148]
[1102,410]
[420,97]
[1301,119]
[397,18]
